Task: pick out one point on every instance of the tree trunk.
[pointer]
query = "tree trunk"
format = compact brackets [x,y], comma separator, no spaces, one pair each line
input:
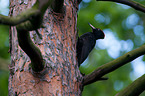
[61,76]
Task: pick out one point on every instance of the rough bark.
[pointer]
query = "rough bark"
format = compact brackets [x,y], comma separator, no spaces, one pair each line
[58,47]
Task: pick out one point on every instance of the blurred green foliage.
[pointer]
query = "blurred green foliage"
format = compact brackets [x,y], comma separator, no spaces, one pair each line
[4,83]
[121,24]
[4,48]
[4,41]
[124,29]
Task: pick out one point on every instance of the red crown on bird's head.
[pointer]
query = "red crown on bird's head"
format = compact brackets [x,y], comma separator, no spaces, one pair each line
[99,34]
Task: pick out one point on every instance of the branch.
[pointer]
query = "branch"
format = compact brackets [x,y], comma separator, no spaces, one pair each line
[131,3]
[37,10]
[134,89]
[57,6]
[31,50]
[113,65]
[12,21]
[29,20]
[24,39]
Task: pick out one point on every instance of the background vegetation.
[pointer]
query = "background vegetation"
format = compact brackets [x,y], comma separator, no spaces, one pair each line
[124,29]
[4,48]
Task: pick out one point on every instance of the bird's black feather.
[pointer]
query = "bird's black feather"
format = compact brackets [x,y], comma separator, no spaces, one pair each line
[86,43]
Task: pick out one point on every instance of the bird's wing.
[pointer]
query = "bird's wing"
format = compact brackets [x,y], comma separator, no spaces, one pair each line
[87,47]
[79,49]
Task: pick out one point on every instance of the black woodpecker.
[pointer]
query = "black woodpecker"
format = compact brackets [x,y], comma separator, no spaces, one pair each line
[87,42]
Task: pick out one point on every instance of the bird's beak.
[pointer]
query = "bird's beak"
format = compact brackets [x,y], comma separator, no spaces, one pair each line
[92,26]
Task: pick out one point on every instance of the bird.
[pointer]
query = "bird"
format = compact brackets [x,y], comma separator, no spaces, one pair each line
[86,43]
